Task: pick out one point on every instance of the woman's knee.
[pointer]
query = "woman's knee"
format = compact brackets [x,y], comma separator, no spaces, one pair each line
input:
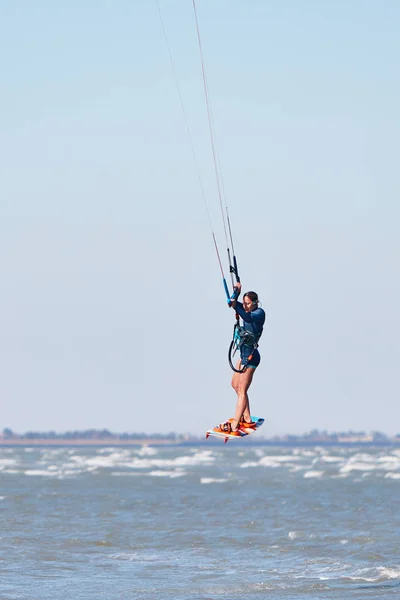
[247,379]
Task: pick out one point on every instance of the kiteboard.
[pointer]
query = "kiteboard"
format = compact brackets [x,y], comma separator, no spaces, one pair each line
[242,432]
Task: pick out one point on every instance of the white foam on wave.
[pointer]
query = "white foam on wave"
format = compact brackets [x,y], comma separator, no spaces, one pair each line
[203,457]
[8,462]
[147,463]
[280,458]
[100,461]
[136,556]
[113,452]
[313,474]
[274,461]
[367,463]
[67,473]
[147,451]
[107,450]
[389,459]
[389,463]
[198,458]
[390,572]
[126,474]
[305,453]
[171,474]
[40,472]
[245,465]
[392,476]
[206,480]
[269,462]
[331,459]
[357,466]
[258,452]
[376,574]
[52,472]
[51,452]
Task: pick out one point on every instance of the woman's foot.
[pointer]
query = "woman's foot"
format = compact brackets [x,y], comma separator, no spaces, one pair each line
[244,423]
[231,426]
[234,425]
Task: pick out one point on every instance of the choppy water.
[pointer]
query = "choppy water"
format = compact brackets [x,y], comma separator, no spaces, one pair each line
[228,521]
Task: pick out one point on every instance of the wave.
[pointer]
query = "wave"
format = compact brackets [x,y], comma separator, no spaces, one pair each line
[308,464]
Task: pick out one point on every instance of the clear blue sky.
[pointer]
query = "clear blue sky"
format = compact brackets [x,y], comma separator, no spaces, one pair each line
[112,308]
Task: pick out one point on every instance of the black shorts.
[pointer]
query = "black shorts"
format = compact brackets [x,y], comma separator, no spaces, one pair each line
[245,352]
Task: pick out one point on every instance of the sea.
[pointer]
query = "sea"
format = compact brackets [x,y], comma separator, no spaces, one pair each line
[208,522]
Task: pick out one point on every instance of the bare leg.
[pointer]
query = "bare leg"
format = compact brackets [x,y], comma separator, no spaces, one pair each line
[241,383]
[246,412]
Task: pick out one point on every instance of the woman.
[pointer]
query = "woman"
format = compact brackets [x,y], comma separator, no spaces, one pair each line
[253,322]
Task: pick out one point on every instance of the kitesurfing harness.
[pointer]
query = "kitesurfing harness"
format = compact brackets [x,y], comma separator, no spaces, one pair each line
[242,337]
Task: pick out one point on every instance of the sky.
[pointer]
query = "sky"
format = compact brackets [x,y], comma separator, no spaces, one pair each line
[113,313]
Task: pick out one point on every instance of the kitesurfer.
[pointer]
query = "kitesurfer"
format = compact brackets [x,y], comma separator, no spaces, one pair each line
[253,317]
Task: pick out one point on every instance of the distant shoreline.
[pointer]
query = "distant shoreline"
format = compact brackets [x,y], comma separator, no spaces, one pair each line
[102,438]
[108,442]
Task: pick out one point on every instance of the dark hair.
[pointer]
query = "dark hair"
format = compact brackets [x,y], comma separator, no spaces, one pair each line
[253,297]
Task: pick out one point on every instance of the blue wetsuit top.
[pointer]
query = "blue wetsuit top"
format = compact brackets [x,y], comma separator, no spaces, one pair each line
[253,322]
